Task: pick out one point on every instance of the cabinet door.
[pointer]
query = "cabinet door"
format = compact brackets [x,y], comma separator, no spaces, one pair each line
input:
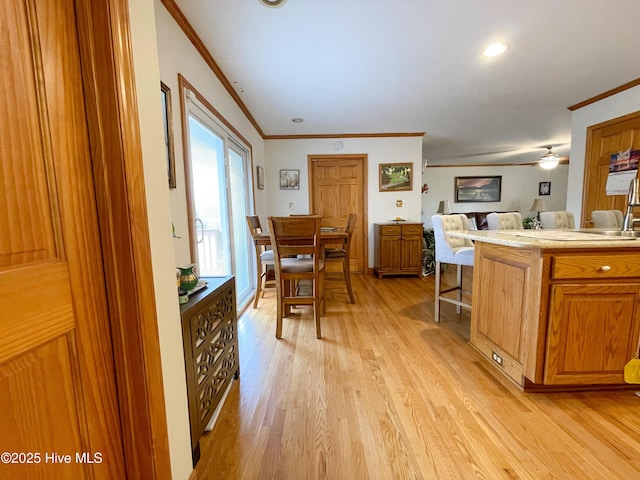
[592,333]
[389,252]
[411,247]
[411,252]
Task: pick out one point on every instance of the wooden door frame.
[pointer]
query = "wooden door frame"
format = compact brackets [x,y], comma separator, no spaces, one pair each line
[364,159]
[116,156]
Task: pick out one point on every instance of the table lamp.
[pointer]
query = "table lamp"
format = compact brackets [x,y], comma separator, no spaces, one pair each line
[444,207]
[538,206]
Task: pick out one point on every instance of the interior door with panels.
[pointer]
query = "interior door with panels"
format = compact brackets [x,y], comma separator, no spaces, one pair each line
[57,380]
[603,140]
[337,187]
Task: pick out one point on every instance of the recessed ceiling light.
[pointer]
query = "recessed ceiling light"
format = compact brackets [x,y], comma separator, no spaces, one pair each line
[495,49]
[272,3]
[297,120]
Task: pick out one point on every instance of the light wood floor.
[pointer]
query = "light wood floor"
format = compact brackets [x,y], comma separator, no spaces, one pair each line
[389,394]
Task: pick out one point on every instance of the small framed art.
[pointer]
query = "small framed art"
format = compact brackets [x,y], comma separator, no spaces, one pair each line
[260,177]
[289,179]
[544,188]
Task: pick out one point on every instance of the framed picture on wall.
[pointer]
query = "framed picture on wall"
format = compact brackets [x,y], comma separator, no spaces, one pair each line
[289,179]
[395,177]
[260,177]
[478,189]
[165,96]
[544,188]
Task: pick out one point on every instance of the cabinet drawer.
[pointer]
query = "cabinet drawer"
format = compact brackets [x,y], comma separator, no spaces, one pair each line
[390,229]
[616,265]
[411,230]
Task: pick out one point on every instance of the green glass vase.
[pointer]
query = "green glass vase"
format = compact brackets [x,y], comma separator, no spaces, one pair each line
[188,277]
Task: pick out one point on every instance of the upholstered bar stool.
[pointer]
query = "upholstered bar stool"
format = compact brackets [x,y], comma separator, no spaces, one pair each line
[504,221]
[560,220]
[457,251]
[607,219]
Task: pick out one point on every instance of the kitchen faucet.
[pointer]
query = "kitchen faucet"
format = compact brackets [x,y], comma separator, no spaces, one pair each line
[633,201]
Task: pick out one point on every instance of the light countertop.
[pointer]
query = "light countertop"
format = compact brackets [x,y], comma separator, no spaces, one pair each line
[547,238]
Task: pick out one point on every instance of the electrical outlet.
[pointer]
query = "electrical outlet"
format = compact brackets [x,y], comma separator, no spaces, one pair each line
[291,206]
[399,203]
[497,358]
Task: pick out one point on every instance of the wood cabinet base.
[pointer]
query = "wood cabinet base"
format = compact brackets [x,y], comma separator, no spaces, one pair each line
[211,354]
[556,320]
[398,249]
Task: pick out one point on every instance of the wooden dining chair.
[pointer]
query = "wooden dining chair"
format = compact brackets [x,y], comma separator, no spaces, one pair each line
[342,254]
[264,258]
[297,256]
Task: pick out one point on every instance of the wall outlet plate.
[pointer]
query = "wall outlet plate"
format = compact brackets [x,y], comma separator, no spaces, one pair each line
[497,358]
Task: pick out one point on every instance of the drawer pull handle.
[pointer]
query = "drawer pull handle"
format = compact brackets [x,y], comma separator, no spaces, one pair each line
[605,268]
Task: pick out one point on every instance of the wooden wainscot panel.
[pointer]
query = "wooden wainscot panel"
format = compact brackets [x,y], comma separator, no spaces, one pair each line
[54,413]
[505,302]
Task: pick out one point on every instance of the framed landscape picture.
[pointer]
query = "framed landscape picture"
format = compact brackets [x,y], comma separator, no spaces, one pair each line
[395,177]
[478,189]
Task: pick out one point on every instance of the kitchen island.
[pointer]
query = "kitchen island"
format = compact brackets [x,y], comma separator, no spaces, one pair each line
[556,309]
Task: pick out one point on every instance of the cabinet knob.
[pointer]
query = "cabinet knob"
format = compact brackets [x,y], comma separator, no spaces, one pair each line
[605,268]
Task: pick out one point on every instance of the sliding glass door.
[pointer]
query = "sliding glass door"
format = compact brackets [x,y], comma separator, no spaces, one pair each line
[208,186]
[219,198]
[239,188]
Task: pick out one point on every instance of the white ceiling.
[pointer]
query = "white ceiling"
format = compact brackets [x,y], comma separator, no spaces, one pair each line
[383,66]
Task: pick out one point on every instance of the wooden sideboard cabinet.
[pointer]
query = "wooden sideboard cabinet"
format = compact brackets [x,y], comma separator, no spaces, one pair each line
[398,249]
[210,341]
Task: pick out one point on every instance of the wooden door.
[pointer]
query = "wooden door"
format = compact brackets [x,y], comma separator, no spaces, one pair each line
[603,140]
[58,397]
[338,187]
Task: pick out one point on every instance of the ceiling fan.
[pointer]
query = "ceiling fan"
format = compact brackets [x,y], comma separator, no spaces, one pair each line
[549,160]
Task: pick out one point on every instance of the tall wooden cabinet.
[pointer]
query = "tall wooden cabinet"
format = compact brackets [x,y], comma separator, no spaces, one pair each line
[210,342]
[398,249]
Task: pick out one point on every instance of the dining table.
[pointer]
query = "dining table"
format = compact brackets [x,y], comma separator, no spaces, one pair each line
[328,236]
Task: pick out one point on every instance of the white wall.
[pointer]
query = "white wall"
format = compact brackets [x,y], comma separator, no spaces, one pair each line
[292,154]
[143,41]
[177,55]
[519,188]
[618,105]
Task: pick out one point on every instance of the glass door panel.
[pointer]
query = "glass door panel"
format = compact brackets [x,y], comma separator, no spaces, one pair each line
[242,243]
[209,200]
